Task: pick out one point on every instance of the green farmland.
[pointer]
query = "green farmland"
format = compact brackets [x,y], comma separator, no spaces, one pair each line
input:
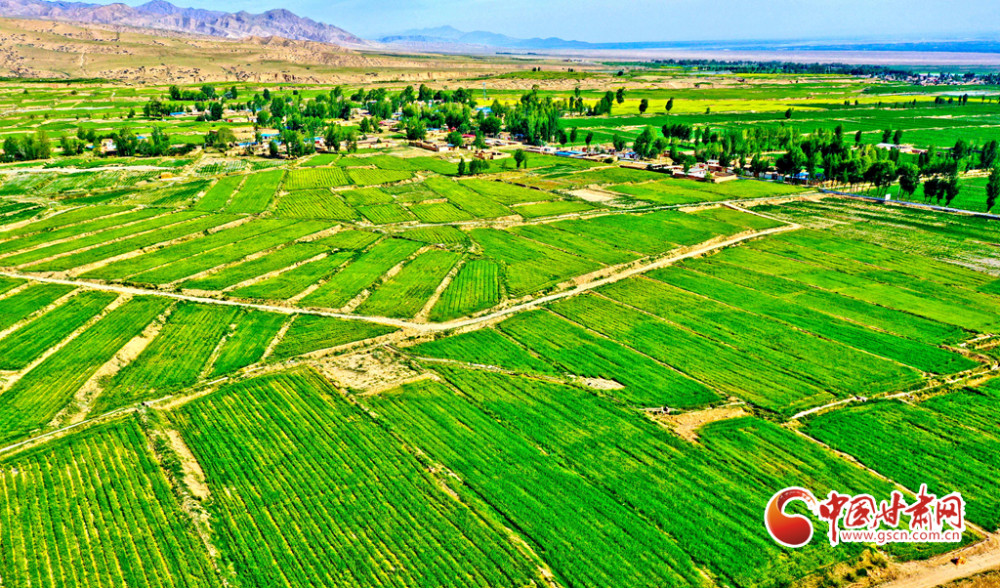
[281,362]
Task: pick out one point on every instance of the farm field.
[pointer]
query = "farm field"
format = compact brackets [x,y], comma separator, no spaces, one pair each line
[466,334]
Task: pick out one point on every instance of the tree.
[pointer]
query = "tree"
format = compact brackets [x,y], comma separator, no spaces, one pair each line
[480,141]
[992,188]
[788,113]
[455,139]
[909,179]
[619,143]
[620,96]
[881,174]
[951,189]
[589,139]
[858,137]
[573,135]
[520,158]
[643,106]
[273,149]
[791,162]
[897,137]
[645,144]
[886,135]
[461,166]
[491,125]
[988,157]
[670,105]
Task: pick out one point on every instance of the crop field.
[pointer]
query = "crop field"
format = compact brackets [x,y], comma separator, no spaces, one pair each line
[48,387]
[256,192]
[330,451]
[475,287]
[294,281]
[916,444]
[315,178]
[247,270]
[549,362]
[361,273]
[600,449]
[405,293]
[375,177]
[190,334]
[314,204]
[24,345]
[120,525]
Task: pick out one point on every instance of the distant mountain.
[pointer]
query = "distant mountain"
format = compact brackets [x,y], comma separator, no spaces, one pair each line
[450,36]
[162,15]
[451,40]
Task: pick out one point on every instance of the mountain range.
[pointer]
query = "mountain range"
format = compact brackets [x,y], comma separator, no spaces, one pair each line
[162,15]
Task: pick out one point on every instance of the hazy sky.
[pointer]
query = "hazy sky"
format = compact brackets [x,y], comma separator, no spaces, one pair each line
[646,20]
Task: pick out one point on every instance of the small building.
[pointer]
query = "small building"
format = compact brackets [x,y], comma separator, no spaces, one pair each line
[108,146]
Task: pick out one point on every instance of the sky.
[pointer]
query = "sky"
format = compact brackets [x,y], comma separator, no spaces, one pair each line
[647,20]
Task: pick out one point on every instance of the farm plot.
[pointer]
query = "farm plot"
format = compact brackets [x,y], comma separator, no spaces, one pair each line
[384,214]
[672,482]
[443,235]
[216,198]
[918,444]
[310,333]
[315,178]
[529,266]
[25,240]
[18,306]
[507,194]
[93,509]
[363,196]
[229,253]
[553,208]
[577,351]
[835,367]
[376,177]
[256,193]
[247,270]
[43,392]
[99,238]
[584,246]
[475,287]
[350,240]
[483,347]
[734,266]
[925,357]
[110,250]
[314,204]
[333,525]
[173,360]
[605,176]
[439,212]
[601,544]
[294,281]
[361,274]
[404,294]
[247,341]
[20,348]
[182,251]
[468,200]
[722,368]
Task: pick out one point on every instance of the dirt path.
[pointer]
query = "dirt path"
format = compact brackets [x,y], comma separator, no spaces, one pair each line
[687,253]
[940,570]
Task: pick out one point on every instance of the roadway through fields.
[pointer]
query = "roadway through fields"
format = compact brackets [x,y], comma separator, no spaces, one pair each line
[620,274]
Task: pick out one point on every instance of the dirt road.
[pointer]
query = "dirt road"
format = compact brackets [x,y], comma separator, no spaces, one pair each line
[940,570]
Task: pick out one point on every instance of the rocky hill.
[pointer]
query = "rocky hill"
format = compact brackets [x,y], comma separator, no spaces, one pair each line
[162,15]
